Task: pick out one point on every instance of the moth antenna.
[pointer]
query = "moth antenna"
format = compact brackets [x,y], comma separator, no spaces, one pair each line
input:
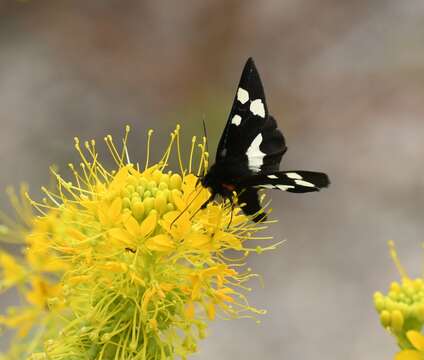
[186,208]
[205,133]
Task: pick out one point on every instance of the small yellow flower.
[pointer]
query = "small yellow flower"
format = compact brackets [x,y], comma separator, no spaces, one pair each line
[41,291]
[401,311]
[12,272]
[417,341]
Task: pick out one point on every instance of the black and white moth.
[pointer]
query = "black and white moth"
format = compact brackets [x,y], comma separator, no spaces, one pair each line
[250,150]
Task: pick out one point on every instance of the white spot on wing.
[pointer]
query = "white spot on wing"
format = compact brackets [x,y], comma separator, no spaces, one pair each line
[267,186]
[293,175]
[254,154]
[272,177]
[285,187]
[236,120]
[242,95]
[257,108]
[304,183]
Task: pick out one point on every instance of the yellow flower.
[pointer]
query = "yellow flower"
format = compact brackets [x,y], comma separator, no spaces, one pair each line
[417,341]
[141,267]
[401,311]
[41,291]
[22,320]
[12,272]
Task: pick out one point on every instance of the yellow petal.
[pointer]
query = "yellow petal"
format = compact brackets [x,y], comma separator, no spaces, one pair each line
[148,224]
[115,266]
[189,183]
[122,236]
[115,210]
[180,228]
[76,234]
[41,291]
[198,241]
[211,271]
[201,199]
[154,324]
[178,201]
[211,311]
[190,310]
[167,287]
[408,355]
[102,217]
[229,239]
[79,279]
[13,272]
[168,219]
[160,242]
[222,294]
[195,293]
[416,339]
[137,279]
[132,226]
[214,216]
[146,299]
[120,177]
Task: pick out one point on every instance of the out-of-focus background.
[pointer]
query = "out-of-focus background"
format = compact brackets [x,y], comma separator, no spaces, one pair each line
[345,80]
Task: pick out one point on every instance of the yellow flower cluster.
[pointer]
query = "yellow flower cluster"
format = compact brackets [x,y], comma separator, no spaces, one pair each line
[35,276]
[401,312]
[139,268]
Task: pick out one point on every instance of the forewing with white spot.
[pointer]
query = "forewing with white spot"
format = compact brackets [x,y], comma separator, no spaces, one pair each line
[298,181]
[251,140]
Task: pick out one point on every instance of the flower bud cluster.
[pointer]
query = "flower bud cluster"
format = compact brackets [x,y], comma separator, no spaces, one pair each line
[401,310]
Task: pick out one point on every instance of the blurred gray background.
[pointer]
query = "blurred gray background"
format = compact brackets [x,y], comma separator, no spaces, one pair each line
[345,80]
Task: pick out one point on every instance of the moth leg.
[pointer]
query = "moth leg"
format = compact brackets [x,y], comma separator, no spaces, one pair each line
[232,211]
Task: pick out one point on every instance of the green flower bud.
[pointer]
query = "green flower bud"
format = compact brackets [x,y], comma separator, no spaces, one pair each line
[379,304]
[135,197]
[132,180]
[130,189]
[157,175]
[106,337]
[175,181]
[167,194]
[394,286]
[148,203]
[138,210]
[385,318]
[160,203]
[126,203]
[165,179]
[151,185]
[396,320]
[125,192]
[175,193]
[153,211]
[147,194]
[163,186]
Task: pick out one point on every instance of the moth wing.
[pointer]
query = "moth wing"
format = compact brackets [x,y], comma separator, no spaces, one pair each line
[296,181]
[251,136]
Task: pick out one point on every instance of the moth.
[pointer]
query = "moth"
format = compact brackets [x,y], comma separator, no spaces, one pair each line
[250,151]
